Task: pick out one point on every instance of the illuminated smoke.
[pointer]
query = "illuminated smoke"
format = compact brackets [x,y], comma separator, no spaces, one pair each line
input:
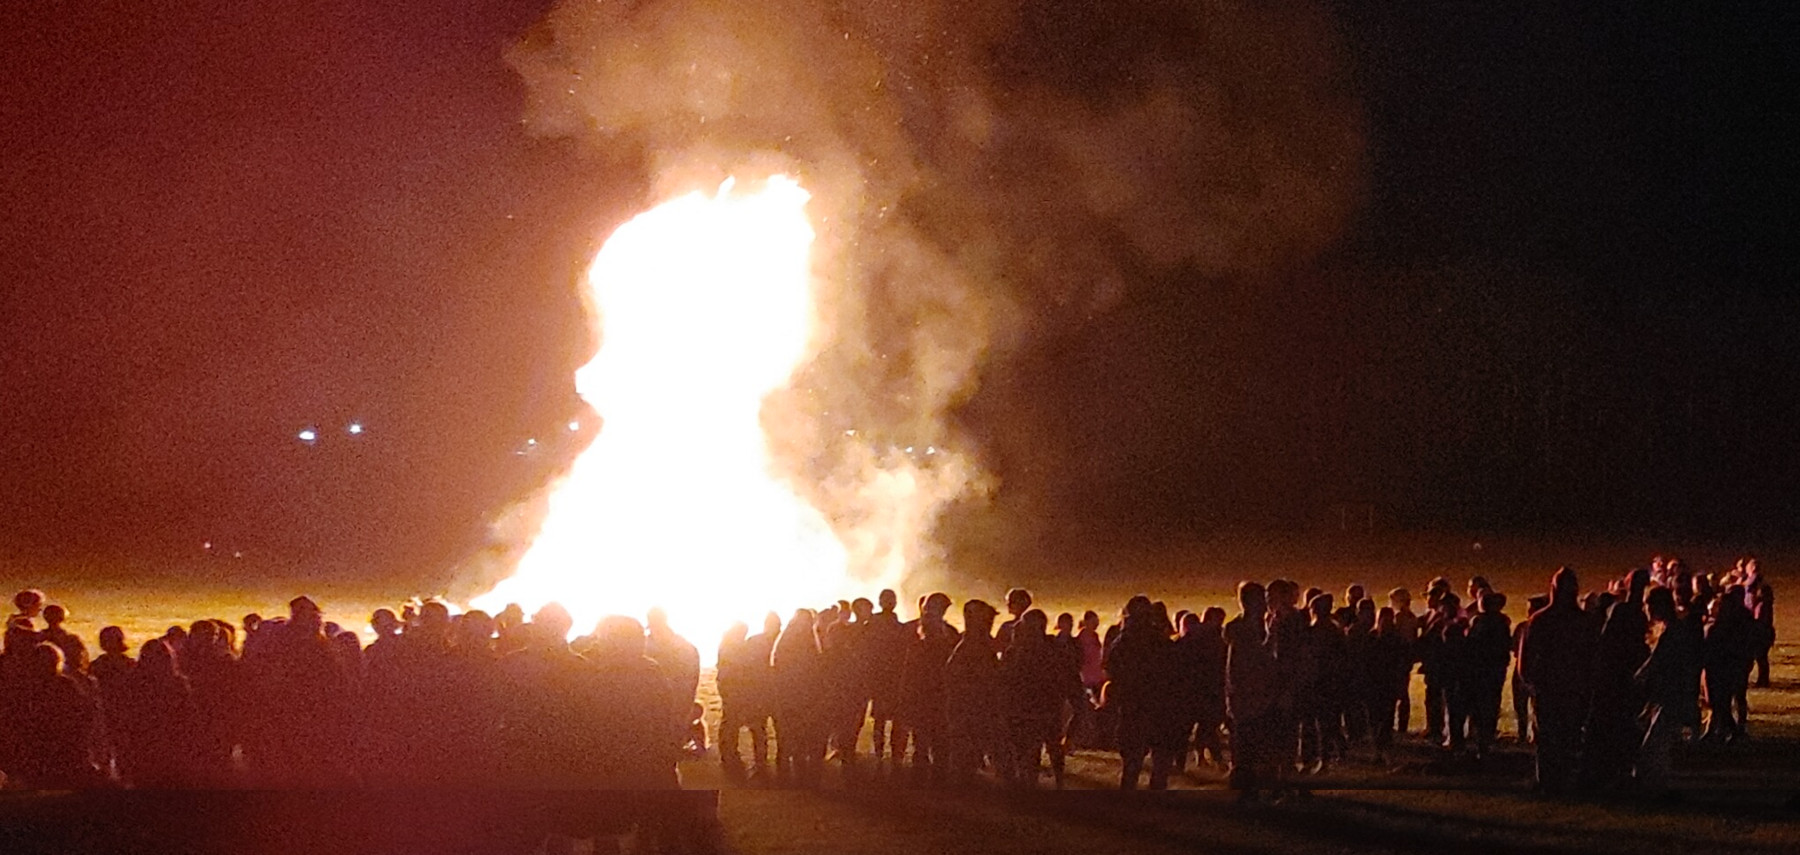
[984,175]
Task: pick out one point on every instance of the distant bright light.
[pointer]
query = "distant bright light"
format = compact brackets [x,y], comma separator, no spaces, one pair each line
[308,435]
[355,428]
[206,545]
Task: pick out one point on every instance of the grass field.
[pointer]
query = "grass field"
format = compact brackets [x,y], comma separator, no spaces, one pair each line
[1740,797]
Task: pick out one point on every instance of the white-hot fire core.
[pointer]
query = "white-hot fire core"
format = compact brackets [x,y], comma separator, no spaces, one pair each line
[705,306]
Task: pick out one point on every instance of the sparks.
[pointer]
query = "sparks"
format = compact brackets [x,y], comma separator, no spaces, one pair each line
[706,307]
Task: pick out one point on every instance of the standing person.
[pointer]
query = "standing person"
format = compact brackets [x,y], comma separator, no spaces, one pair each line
[1362,692]
[50,720]
[1440,659]
[974,723]
[75,654]
[847,678]
[1727,653]
[736,680]
[303,701]
[1200,664]
[1321,697]
[1252,696]
[1407,628]
[1670,678]
[799,682]
[1090,655]
[1036,680]
[1489,646]
[213,676]
[678,659]
[1018,602]
[1760,596]
[759,696]
[1391,669]
[1524,711]
[923,675]
[1288,626]
[112,674]
[162,723]
[883,659]
[28,605]
[1612,736]
[1138,668]
[1556,656]
[634,727]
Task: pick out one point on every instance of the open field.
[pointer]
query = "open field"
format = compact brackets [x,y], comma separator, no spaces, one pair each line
[1741,798]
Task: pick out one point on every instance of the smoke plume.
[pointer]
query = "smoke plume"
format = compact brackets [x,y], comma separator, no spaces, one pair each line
[984,174]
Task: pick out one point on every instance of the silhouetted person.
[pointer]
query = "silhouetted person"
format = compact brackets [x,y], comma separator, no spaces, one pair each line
[1760,596]
[923,675]
[1018,601]
[1728,651]
[1346,613]
[847,679]
[759,696]
[1612,736]
[1253,696]
[47,741]
[1322,696]
[1361,680]
[974,711]
[1489,651]
[1390,669]
[114,664]
[735,682]
[1093,670]
[1199,686]
[1139,667]
[1407,628]
[640,734]
[1288,625]
[884,659]
[679,660]
[1439,651]
[75,654]
[1037,679]
[1556,656]
[1670,679]
[27,604]
[213,673]
[1524,711]
[303,700]
[548,718]
[160,723]
[800,715]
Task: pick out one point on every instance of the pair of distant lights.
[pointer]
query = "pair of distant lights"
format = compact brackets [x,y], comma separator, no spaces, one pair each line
[531,443]
[311,435]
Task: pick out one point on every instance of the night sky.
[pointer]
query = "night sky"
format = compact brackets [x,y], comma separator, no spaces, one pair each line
[1565,305]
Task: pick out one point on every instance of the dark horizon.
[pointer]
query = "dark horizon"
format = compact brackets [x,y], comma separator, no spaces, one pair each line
[1560,307]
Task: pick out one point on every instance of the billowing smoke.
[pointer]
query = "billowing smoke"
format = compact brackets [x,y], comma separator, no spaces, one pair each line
[984,173]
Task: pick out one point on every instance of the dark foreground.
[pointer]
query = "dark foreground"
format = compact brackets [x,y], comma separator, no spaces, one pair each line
[1737,799]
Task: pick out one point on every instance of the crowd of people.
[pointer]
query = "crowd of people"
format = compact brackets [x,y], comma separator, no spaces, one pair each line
[1603,685]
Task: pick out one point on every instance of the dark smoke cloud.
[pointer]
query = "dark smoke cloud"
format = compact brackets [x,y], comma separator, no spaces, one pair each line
[984,173]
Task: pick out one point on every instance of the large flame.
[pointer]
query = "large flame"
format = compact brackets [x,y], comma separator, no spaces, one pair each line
[705,307]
